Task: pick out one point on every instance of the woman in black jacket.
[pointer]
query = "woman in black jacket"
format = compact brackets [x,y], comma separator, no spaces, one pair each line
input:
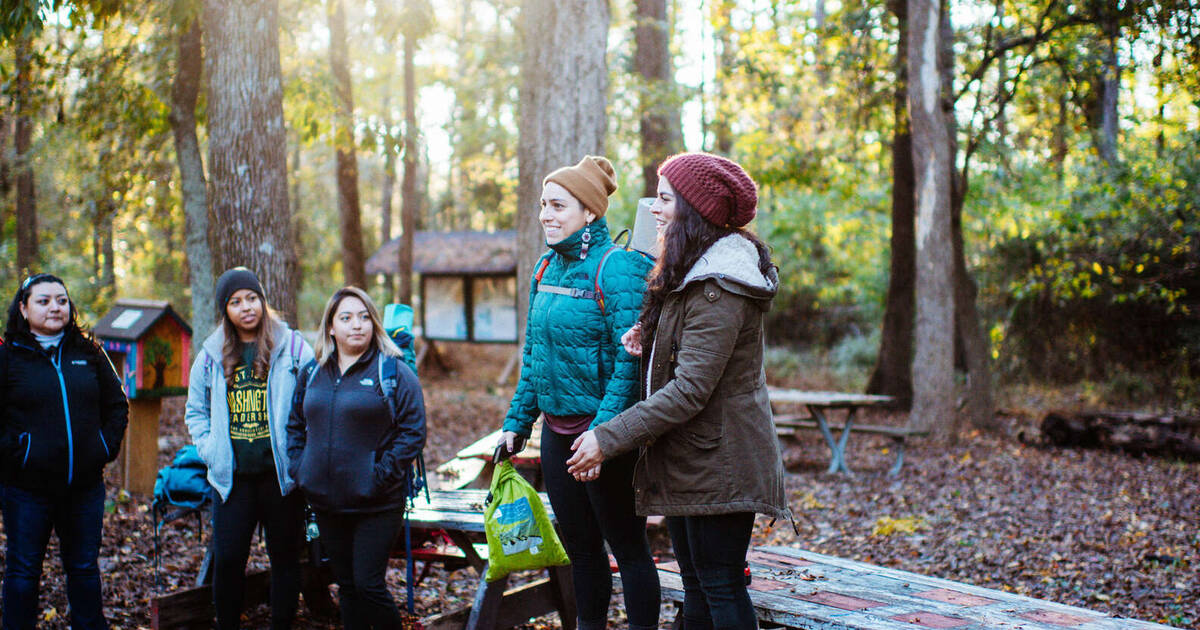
[351,449]
[62,417]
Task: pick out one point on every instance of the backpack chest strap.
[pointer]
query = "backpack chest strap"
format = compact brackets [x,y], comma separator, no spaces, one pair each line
[568,291]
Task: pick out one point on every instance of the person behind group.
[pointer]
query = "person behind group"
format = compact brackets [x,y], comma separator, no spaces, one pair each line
[351,450]
[62,417]
[710,459]
[239,397]
[575,373]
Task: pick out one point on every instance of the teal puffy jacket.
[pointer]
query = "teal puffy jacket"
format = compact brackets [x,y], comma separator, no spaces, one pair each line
[573,362]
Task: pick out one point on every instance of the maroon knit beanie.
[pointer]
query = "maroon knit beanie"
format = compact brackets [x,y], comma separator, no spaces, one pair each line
[717,188]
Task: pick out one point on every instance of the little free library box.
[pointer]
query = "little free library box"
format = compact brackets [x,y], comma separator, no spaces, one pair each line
[150,346]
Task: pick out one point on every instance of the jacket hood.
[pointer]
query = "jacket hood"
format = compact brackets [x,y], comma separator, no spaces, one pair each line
[216,340]
[733,262]
[572,246]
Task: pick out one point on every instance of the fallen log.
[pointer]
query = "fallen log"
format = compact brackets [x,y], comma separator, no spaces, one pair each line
[1158,435]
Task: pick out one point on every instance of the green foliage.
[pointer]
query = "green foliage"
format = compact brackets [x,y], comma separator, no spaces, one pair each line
[1106,281]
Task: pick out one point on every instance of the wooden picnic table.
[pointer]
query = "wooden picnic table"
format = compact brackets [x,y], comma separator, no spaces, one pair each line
[819,403]
[472,465]
[801,589]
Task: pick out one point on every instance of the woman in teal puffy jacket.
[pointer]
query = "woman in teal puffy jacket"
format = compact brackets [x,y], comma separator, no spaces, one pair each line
[586,292]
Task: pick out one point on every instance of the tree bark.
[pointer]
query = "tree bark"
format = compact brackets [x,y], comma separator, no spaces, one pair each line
[659,125]
[933,358]
[388,185]
[565,43]
[893,368]
[1110,87]
[184,92]
[27,220]
[972,340]
[723,32]
[247,146]
[408,188]
[349,210]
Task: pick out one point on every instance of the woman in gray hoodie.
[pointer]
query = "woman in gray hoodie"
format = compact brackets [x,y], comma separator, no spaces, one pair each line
[239,396]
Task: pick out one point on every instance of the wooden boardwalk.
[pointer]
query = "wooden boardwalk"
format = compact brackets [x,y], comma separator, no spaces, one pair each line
[801,589]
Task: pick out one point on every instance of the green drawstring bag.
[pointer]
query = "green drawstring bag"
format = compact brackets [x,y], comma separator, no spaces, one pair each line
[519,534]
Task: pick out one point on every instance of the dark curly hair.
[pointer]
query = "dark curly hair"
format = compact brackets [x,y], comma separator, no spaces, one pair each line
[686,238]
[18,327]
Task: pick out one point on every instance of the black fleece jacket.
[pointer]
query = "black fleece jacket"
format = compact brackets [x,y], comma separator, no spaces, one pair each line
[348,453]
[62,414]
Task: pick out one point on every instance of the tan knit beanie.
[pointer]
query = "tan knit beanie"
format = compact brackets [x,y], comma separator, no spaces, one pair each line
[591,181]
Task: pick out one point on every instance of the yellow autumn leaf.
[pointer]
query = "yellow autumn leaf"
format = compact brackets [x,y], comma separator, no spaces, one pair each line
[886,525]
[50,614]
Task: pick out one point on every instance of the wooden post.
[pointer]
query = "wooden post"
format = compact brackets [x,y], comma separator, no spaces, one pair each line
[139,455]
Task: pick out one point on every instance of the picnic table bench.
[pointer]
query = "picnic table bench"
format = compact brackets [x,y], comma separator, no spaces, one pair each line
[819,404]
[453,514]
[795,588]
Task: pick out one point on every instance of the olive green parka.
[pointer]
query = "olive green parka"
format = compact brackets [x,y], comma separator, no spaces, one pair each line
[705,431]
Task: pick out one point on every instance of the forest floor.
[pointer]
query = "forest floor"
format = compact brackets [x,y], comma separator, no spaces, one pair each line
[1096,529]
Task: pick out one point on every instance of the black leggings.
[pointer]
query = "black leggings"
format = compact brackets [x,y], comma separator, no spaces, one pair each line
[590,514]
[255,499]
[359,546]
[711,551]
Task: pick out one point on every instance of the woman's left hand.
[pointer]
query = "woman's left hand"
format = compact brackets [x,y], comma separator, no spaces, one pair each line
[587,454]
[590,474]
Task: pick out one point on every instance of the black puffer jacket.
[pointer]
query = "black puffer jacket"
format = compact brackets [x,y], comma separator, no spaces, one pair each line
[348,453]
[62,414]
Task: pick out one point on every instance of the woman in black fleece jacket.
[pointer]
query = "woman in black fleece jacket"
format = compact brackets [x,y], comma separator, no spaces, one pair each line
[351,452]
[62,417]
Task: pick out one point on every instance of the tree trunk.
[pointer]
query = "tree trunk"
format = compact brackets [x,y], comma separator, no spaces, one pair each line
[565,43]
[408,188]
[659,126]
[184,92]
[1110,87]
[893,368]
[723,32]
[247,146]
[1058,144]
[933,359]
[27,232]
[388,185]
[972,340]
[349,211]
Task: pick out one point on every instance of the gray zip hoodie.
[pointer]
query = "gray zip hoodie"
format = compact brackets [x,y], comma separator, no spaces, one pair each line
[207,413]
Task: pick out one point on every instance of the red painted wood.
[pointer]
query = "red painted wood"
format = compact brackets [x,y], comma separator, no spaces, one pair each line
[760,584]
[776,559]
[837,600]
[931,620]
[1056,618]
[955,597]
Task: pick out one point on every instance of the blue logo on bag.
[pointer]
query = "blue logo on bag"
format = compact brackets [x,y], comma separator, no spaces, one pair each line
[515,512]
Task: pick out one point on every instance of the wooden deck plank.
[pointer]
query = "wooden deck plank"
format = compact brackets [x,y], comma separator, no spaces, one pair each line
[802,589]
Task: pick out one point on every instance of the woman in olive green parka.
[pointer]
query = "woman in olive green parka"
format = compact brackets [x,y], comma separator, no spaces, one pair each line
[584,294]
[709,456]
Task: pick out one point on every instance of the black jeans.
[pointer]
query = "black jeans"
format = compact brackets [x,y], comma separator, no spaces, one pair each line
[255,499]
[358,547]
[77,517]
[590,514]
[711,552]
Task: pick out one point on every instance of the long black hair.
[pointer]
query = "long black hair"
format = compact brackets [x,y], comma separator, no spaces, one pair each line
[687,237]
[18,327]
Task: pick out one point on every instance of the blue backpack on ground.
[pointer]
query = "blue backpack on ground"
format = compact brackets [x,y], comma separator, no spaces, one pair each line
[184,483]
[179,490]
